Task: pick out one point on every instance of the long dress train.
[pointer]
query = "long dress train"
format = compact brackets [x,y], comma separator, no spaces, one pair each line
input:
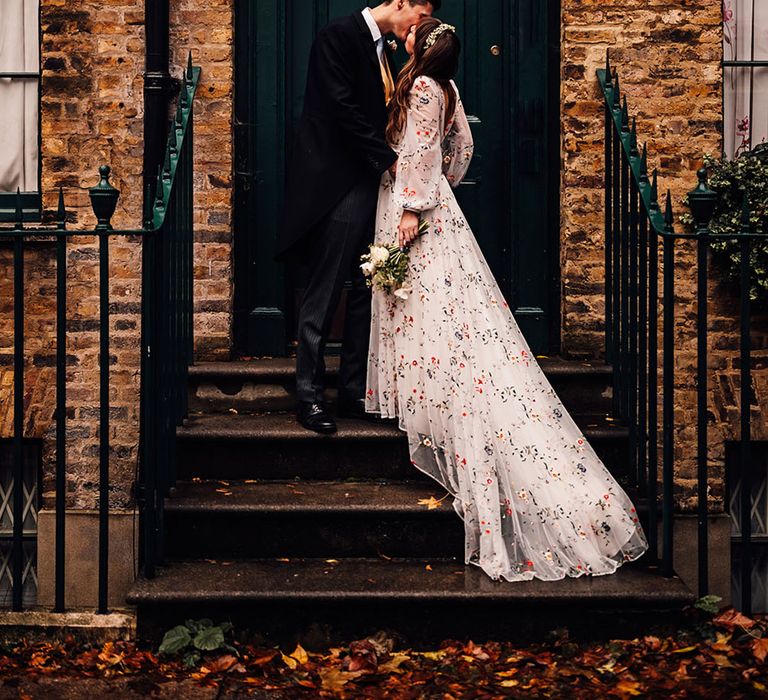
[450,363]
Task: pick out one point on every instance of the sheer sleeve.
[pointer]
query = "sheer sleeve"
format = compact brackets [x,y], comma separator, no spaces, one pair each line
[420,162]
[459,146]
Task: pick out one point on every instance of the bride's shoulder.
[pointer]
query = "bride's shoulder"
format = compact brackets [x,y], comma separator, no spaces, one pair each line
[425,86]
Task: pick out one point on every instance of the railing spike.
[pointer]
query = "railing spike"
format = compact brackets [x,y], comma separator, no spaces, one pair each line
[633,139]
[61,212]
[189,68]
[173,143]
[644,165]
[19,214]
[148,202]
[167,165]
[655,190]
[179,117]
[159,187]
[624,115]
[616,95]
[668,216]
[183,96]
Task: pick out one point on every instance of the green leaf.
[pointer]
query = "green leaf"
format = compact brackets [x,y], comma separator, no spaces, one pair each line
[191,658]
[709,604]
[175,640]
[208,639]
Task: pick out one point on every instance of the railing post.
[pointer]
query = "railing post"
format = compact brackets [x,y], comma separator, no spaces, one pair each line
[608,212]
[642,381]
[61,403]
[103,201]
[616,245]
[148,490]
[623,386]
[632,364]
[745,400]
[668,465]
[702,202]
[17,567]
[653,376]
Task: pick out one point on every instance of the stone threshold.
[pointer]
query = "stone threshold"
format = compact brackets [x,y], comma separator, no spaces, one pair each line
[85,626]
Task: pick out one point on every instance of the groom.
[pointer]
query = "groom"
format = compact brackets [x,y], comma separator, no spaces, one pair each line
[329,212]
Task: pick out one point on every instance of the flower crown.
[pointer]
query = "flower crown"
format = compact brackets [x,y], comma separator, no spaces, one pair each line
[436,32]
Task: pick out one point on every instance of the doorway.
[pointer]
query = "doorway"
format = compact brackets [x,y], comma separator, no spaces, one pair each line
[509,82]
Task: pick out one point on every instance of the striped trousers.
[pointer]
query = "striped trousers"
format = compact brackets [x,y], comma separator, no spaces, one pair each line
[334,254]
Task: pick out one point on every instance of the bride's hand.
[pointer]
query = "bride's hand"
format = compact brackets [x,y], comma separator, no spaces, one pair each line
[408,230]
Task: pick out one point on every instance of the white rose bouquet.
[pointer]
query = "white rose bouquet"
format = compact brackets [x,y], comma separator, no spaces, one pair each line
[386,267]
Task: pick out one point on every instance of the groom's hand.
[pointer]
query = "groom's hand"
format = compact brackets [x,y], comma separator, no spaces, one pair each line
[393,170]
[408,230]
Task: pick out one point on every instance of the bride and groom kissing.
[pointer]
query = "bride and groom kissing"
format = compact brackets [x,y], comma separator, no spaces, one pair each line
[376,159]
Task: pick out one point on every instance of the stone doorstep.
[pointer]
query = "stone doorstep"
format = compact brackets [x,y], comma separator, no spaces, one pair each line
[376,499]
[268,385]
[284,368]
[307,497]
[283,426]
[363,579]
[84,626]
[275,446]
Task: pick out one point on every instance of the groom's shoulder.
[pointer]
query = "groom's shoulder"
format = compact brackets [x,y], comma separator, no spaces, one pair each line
[340,26]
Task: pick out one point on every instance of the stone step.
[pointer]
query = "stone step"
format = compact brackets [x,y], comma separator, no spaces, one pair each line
[275,446]
[214,519]
[423,600]
[310,519]
[261,386]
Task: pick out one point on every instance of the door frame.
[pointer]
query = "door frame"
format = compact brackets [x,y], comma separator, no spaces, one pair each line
[261,314]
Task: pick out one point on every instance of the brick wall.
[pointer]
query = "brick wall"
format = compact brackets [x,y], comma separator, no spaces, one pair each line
[92,110]
[668,55]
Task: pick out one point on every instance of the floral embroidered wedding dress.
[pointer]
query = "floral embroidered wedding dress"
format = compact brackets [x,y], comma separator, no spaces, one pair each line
[450,363]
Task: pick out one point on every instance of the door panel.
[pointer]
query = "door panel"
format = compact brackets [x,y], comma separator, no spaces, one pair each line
[510,193]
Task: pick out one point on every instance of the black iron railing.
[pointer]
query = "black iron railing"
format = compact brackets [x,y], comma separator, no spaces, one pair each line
[636,232]
[166,346]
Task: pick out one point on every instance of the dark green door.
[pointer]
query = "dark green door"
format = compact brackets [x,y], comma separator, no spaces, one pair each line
[507,78]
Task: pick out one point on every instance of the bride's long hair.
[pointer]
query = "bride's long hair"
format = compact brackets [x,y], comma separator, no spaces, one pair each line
[440,62]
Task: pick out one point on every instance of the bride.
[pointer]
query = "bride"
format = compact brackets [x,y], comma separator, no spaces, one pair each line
[450,363]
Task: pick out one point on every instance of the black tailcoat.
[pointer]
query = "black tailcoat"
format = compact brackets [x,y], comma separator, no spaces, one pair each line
[340,137]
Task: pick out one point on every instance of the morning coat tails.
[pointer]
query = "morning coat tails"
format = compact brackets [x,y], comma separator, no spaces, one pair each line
[340,137]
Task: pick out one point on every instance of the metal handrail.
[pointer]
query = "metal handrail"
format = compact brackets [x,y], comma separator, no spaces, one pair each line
[166,345]
[635,226]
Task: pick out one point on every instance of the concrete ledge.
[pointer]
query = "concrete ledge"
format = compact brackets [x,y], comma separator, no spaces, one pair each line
[686,552]
[39,625]
[82,561]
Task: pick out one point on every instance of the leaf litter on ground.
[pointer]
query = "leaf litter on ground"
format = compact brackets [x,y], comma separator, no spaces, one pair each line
[720,657]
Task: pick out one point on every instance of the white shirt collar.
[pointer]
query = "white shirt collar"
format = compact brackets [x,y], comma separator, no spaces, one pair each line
[368,17]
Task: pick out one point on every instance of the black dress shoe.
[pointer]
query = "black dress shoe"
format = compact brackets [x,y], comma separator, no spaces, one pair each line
[353,408]
[313,416]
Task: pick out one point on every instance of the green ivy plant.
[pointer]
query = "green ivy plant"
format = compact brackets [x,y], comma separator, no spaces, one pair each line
[195,637]
[731,179]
